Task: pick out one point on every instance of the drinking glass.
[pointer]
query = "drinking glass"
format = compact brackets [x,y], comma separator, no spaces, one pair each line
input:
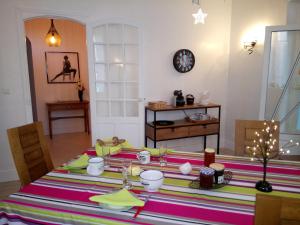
[106,156]
[162,156]
[126,167]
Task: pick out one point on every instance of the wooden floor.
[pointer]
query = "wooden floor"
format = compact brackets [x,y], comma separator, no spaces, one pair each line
[62,147]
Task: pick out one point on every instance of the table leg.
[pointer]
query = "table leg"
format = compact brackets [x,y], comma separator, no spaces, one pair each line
[50,123]
[86,120]
[145,124]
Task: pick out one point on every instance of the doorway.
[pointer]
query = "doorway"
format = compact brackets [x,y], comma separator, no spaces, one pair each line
[281,87]
[45,59]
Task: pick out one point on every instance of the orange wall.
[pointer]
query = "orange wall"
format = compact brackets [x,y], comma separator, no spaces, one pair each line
[73,40]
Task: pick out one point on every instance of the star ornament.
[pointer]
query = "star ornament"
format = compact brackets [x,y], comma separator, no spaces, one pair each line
[199,16]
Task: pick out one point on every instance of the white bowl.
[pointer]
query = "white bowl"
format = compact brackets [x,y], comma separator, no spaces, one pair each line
[152,180]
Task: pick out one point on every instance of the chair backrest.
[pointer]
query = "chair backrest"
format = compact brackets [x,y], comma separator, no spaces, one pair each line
[30,152]
[276,210]
[245,133]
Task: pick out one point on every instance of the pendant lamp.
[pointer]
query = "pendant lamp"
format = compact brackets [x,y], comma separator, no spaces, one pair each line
[53,39]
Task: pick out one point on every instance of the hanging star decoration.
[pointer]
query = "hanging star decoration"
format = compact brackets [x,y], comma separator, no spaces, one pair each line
[199,16]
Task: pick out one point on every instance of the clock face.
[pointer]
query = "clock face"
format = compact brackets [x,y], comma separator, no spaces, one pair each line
[184,60]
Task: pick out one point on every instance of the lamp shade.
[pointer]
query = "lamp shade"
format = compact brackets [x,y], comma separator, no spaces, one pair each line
[53,39]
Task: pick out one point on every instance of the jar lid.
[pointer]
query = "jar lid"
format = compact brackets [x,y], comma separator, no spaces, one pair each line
[207,171]
[217,166]
[209,150]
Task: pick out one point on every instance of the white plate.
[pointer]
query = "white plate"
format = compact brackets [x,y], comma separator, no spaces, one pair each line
[115,207]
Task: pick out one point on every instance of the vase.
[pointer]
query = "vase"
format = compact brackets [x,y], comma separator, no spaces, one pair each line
[264,185]
[80,95]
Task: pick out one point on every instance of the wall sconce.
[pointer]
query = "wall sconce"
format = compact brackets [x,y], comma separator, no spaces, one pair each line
[53,39]
[249,46]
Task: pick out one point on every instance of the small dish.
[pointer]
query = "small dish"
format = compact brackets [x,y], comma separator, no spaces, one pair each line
[120,200]
[115,207]
[227,178]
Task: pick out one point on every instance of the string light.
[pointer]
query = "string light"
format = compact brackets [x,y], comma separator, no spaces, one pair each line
[264,141]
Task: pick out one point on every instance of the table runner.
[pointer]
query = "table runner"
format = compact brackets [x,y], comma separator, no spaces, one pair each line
[62,197]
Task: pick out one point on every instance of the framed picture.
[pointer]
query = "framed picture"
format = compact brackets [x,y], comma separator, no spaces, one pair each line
[62,67]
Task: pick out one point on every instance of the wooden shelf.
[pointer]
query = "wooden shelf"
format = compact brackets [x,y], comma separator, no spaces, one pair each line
[184,123]
[185,107]
[182,128]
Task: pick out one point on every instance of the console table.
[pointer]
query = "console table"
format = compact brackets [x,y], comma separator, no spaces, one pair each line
[67,106]
[182,128]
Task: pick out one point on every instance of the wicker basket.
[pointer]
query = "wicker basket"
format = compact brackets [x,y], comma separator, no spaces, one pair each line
[157,105]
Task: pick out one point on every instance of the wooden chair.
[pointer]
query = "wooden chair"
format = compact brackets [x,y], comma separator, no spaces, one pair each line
[276,210]
[245,132]
[30,152]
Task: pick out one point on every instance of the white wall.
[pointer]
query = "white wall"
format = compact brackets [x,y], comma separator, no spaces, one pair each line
[293,12]
[245,71]
[167,26]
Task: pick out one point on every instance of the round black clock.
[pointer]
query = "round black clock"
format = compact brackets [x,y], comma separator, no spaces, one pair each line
[183,60]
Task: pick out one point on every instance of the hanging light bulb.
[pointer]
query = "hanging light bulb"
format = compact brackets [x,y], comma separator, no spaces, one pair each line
[200,15]
[53,39]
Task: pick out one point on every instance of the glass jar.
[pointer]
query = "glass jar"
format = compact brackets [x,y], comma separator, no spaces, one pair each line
[219,172]
[206,177]
[209,156]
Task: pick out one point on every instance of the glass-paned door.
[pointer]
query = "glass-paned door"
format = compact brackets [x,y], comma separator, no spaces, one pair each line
[116,99]
[282,96]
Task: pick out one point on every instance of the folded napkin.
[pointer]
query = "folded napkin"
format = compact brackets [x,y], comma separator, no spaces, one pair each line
[120,198]
[126,145]
[81,162]
[104,150]
[155,151]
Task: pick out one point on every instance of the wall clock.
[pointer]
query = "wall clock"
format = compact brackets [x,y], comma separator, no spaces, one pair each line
[183,60]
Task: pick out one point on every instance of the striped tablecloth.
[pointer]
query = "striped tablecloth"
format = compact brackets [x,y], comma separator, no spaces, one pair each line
[62,197]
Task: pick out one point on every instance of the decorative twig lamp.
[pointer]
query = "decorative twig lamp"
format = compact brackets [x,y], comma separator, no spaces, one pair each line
[53,39]
[263,149]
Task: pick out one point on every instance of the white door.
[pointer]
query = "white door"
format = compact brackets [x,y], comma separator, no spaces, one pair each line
[115,82]
[281,85]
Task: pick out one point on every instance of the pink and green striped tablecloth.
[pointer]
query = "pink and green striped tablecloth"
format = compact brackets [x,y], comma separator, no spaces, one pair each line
[62,197]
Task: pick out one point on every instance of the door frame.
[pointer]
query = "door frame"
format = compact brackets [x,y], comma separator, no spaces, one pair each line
[23,14]
[89,33]
[267,51]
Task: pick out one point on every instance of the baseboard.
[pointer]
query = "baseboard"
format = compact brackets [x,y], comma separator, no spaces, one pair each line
[8,175]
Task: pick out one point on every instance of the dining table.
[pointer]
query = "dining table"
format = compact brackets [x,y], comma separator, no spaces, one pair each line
[62,195]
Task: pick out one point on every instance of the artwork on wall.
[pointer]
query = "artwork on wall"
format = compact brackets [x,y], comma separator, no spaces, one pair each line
[62,67]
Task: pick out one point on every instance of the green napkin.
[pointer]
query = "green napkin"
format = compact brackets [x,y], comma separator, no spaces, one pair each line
[155,151]
[104,150]
[126,145]
[120,198]
[81,162]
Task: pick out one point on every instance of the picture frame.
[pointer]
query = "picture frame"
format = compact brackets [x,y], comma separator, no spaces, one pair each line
[62,67]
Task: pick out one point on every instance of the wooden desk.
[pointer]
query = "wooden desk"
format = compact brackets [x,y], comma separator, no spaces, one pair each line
[66,106]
